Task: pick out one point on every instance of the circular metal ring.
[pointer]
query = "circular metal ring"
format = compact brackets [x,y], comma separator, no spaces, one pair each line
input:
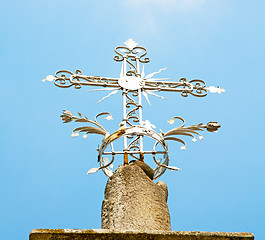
[138,131]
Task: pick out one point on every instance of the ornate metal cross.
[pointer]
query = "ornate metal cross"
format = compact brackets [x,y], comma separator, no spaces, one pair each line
[133,129]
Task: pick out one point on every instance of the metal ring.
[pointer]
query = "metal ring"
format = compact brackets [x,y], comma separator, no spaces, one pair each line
[138,131]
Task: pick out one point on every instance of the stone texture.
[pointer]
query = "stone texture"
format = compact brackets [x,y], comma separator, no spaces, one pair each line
[101,234]
[134,202]
[148,170]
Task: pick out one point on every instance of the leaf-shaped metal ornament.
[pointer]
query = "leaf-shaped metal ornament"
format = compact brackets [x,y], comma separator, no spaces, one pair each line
[159,171]
[81,120]
[188,131]
[90,130]
[178,132]
[92,170]
[108,172]
[176,139]
[68,116]
[105,160]
[159,160]
[173,168]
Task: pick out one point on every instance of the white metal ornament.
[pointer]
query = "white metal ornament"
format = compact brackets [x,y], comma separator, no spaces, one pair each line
[134,83]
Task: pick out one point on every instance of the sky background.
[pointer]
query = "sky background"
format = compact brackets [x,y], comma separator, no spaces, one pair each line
[43,181]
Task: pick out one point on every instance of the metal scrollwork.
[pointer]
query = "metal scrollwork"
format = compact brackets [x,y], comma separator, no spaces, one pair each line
[133,129]
[131,54]
[66,79]
[200,88]
[131,103]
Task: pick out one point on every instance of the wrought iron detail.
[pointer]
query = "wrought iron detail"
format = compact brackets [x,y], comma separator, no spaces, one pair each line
[133,129]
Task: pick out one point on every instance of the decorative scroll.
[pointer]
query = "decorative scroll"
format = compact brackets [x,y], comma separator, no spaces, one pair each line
[131,52]
[194,87]
[66,79]
[199,88]
[131,103]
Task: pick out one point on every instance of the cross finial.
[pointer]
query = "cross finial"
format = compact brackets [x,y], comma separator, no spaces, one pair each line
[130,43]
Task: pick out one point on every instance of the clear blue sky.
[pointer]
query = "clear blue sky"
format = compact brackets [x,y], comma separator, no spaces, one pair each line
[43,182]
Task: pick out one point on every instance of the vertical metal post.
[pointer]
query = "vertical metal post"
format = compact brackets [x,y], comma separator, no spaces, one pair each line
[140,109]
[124,107]
[140,116]
[124,116]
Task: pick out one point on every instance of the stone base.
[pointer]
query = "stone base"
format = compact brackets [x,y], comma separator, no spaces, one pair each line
[102,234]
[134,202]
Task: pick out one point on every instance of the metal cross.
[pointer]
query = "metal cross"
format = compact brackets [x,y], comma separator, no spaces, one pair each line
[134,84]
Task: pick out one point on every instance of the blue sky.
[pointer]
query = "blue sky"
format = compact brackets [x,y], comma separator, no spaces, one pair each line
[43,182]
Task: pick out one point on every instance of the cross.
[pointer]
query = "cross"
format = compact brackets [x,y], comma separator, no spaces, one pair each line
[134,83]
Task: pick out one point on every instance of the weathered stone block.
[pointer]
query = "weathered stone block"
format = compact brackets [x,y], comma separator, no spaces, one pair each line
[134,202]
[101,234]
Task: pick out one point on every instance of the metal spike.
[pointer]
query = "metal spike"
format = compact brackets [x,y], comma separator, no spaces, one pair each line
[146,97]
[142,74]
[154,94]
[112,93]
[152,74]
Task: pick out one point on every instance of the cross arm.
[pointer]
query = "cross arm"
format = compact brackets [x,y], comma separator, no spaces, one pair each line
[66,79]
[194,87]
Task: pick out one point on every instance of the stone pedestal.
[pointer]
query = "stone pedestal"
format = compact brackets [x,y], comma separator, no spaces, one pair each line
[134,202]
[101,234]
[134,208]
